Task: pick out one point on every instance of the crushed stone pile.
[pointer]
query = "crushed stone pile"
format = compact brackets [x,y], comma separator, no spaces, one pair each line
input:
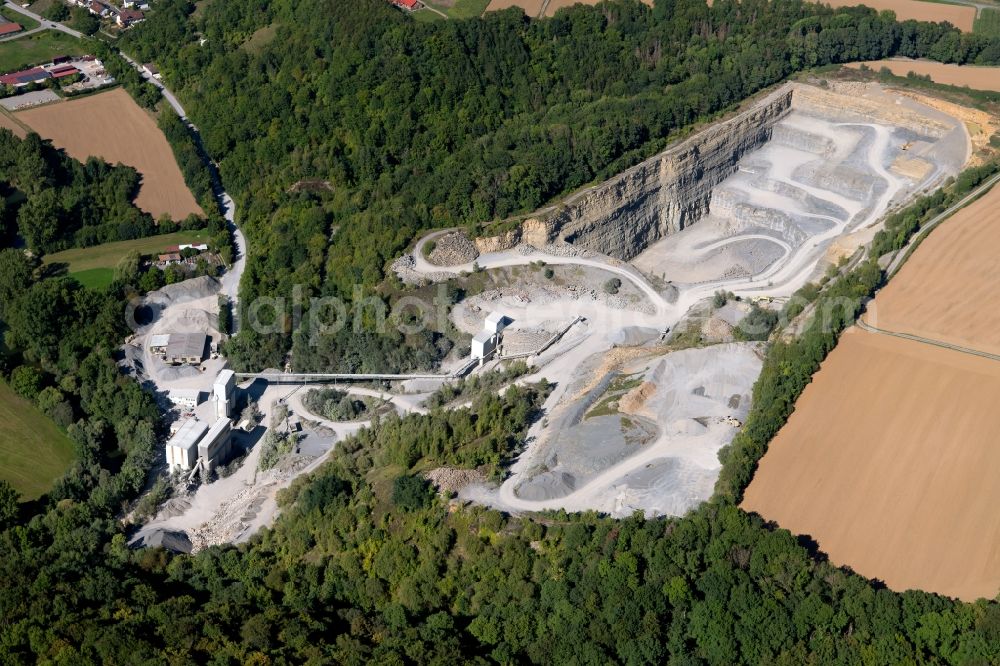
[453,249]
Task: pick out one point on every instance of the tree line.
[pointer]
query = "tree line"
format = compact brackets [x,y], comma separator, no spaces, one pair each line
[417,125]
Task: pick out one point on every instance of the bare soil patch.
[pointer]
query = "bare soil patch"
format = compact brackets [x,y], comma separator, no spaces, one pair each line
[977,78]
[889,463]
[531,8]
[962,17]
[946,290]
[112,126]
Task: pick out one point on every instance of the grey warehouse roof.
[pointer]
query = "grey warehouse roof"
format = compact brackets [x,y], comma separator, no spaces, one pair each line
[186,345]
[188,434]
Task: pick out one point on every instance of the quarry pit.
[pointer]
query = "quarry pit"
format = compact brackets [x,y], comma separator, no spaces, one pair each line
[757,205]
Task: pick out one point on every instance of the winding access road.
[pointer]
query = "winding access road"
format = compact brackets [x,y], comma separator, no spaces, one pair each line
[231,280]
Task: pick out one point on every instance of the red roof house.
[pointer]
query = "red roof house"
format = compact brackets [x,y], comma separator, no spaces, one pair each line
[127,17]
[9,28]
[407,4]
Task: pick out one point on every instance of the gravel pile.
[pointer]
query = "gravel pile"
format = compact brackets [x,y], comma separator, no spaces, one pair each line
[453,249]
[448,479]
[556,250]
[403,267]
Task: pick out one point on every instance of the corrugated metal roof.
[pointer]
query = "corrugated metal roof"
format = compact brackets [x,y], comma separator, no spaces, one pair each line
[189,434]
[186,345]
[161,340]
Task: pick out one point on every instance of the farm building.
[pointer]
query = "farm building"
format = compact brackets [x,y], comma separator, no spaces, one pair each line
[182,448]
[409,5]
[186,348]
[25,77]
[7,28]
[63,71]
[169,258]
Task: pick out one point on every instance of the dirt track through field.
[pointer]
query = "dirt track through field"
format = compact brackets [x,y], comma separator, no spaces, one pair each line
[959,16]
[977,78]
[111,125]
[7,122]
[948,289]
[890,463]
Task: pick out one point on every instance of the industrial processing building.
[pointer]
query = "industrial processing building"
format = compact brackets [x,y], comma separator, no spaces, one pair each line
[195,445]
[486,341]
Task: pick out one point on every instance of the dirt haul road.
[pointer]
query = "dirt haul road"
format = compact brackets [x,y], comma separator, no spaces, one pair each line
[112,126]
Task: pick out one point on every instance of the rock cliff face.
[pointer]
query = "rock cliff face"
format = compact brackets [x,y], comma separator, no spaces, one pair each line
[660,196]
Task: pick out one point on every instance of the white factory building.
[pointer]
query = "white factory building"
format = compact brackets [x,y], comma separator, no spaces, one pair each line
[485,342]
[182,448]
[196,444]
[223,394]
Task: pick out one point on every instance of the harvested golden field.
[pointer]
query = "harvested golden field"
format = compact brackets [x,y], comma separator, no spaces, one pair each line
[889,461]
[959,16]
[6,122]
[947,289]
[890,464]
[977,78]
[112,126]
[531,8]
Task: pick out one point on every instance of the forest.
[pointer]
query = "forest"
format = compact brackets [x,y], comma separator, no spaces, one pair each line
[367,564]
[417,125]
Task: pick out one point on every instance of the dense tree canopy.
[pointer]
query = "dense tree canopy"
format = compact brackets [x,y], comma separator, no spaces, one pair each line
[366,565]
[416,125]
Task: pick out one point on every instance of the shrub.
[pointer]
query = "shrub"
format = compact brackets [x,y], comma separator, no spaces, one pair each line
[410,493]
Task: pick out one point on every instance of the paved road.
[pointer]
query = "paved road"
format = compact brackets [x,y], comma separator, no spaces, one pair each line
[231,280]
[45,23]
